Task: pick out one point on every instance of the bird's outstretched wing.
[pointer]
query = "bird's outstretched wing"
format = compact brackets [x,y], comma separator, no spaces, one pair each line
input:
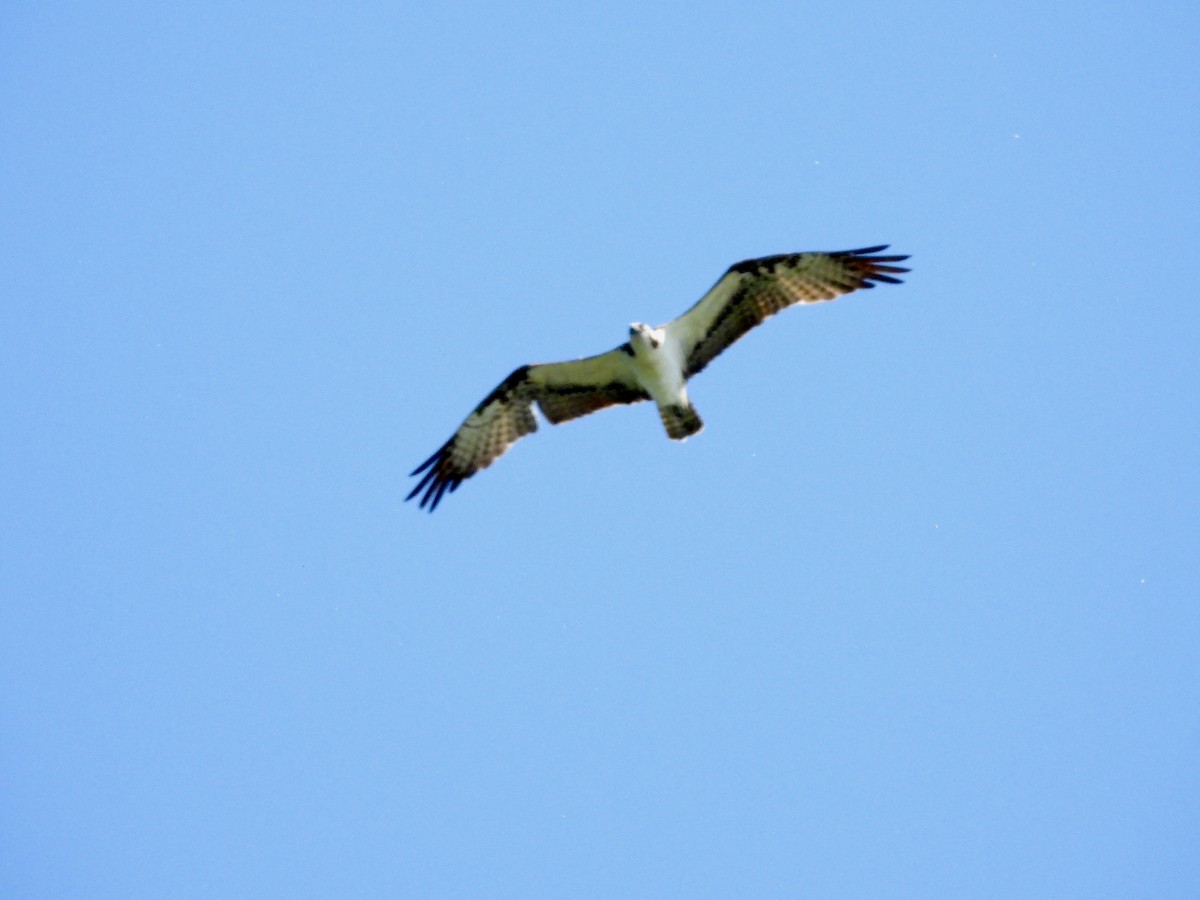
[562,391]
[752,290]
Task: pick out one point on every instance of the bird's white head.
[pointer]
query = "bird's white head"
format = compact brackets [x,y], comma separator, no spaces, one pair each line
[650,338]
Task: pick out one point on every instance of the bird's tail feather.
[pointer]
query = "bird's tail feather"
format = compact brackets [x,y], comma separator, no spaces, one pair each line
[681,422]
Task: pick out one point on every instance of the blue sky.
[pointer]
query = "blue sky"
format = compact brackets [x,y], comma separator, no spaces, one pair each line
[915,616]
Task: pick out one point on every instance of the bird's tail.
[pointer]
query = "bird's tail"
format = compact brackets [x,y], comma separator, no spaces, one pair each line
[681,422]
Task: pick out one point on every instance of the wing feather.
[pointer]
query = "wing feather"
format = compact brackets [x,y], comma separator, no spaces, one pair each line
[755,289]
[562,390]
[568,390]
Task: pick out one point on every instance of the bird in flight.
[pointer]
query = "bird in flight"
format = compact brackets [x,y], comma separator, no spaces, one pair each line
[654,364]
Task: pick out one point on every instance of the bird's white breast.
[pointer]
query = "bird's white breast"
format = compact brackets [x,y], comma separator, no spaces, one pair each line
[660,370]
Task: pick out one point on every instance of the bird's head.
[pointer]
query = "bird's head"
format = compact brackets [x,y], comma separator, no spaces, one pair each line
[644,334]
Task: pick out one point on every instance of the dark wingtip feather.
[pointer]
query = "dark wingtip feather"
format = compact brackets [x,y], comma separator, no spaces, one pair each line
[435,481]
[876,269]
[429,462]
[435,492]
[869,252]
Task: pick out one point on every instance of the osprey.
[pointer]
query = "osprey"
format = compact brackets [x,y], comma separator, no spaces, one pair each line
[654,364]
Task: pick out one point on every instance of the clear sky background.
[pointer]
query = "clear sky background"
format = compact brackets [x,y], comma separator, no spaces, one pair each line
[916,615]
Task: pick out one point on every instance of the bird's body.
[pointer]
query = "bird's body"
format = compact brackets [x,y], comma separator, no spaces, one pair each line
[658,365]
[654,364]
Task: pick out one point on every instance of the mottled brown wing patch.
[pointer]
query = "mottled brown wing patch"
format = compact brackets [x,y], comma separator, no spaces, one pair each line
[503,418]
[773,283]
[562,390]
